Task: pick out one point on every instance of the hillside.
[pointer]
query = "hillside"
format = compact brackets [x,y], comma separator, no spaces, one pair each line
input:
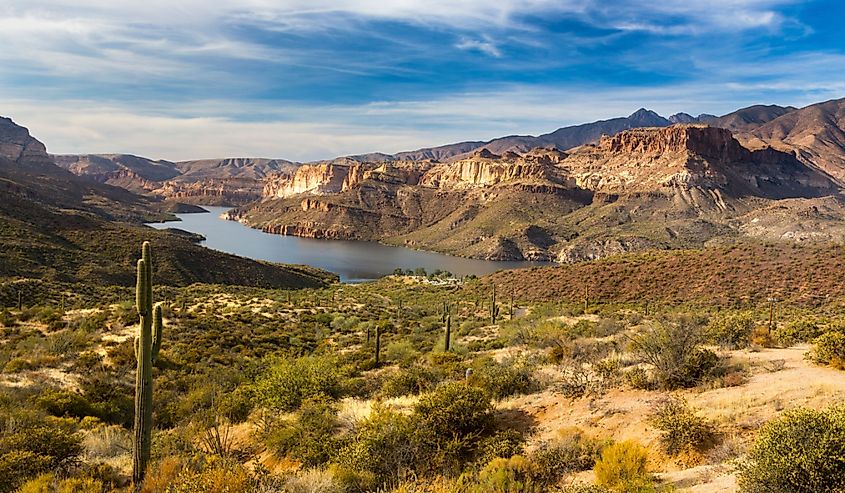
[229,181]
[57,226]
[674,187]
[816,134]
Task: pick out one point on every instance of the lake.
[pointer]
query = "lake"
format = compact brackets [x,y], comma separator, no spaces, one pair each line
[353,261]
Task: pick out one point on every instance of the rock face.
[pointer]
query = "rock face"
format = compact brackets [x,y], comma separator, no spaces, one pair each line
[16,144]
[658,187]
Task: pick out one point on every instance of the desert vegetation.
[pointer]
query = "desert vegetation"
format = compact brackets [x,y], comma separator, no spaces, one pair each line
[353,388]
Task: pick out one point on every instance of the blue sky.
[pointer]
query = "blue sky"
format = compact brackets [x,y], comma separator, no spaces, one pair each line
[312,79]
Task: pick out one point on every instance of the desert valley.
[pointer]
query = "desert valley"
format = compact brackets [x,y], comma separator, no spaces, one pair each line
[635,304]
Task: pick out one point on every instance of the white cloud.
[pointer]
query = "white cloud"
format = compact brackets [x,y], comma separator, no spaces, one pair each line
[485,45]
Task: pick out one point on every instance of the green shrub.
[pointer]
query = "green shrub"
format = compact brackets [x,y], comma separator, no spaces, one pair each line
[61,447]
[510,377]
[288,382]
[310,438]
[802,451]
[65,403]
[681,429]
[454,410]
[731,330]
[623,467]
[409,381]
[501,444]
[803,330]
[19,465]
[829,349]
[384,445]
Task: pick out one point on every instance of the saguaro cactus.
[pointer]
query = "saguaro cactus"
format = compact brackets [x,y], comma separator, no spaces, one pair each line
[448,343]
[147,345]
[378,344]
[494,310]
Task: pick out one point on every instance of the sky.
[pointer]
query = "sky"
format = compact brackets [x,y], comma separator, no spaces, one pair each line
[313,79]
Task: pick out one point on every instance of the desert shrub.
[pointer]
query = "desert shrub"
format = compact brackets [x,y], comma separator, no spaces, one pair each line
[410,381]
[19,465]
[48,483]
[799,452]
[65,403]
[623,467]
[214,476]
[731,330]
[505,475]
[385,445]
[829,349]
[402,352]
[454,409]
[310,437]
[673,348]
[289,381]
[61,447]
[582,488]
[29,451]
[313,481]
[802,330]
[236,405]
[572,452]
[502,443]
[510,377]
[681,429]
[7,318]
[638,378]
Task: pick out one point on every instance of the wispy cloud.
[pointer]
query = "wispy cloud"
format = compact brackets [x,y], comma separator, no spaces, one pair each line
[309,79]
[485,45]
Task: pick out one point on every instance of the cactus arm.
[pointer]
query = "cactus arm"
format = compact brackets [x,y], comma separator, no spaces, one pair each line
[158,326]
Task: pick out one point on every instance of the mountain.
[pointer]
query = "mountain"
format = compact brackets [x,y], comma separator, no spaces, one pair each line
[658,187]
[747,119]
[562,138]
[227,181]
[816,134]
[57,226]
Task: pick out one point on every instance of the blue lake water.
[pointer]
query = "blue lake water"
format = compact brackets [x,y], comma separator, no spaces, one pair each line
[353,261]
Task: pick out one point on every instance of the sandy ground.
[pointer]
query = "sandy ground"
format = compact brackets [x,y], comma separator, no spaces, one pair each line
[780,379]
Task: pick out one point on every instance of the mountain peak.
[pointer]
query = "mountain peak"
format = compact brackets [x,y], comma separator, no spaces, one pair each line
[647,118]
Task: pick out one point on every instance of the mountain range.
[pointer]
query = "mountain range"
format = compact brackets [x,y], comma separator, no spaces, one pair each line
[580,192]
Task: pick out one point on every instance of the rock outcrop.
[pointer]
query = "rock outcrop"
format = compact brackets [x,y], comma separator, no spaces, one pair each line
[17,145]
[659,187]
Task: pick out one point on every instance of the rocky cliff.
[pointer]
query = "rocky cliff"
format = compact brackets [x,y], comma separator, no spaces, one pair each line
[660,187]
[17,145]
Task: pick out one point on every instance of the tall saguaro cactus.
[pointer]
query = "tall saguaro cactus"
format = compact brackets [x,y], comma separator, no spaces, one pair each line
[494,309]
[147,345]
[448,344]
[378,345]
